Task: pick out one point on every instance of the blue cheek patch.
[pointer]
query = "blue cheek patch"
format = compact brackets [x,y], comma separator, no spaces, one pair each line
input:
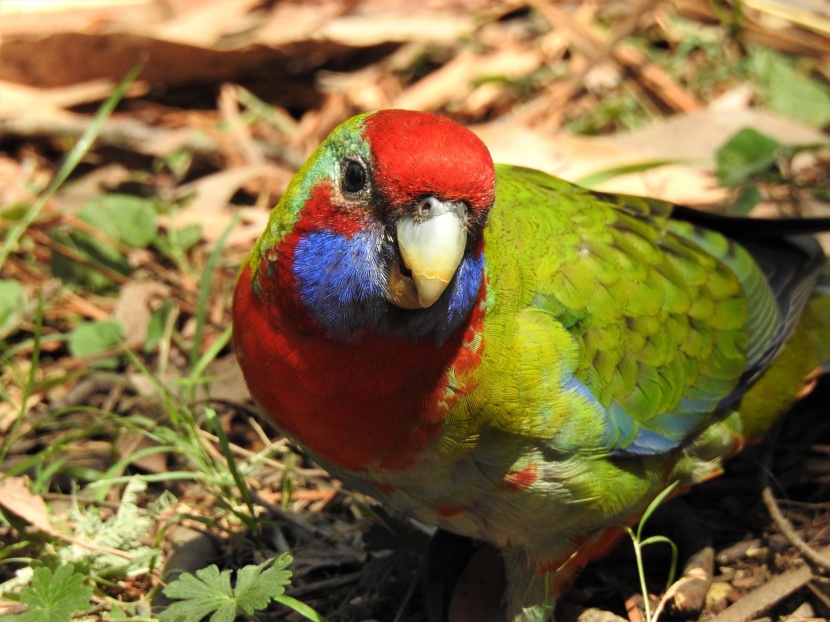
[465,288]
[342,282]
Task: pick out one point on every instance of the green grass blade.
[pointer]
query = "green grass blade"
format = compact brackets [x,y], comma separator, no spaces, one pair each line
[73,158]
[674,554]
[11,436]
[595,179]
[225,447]
[204,289]
[300,607]
[211,353]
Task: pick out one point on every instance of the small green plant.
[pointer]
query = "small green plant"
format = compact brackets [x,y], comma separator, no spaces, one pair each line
[99,240]
[94,251]
[119,551]
[612,111]
[640,544]
[749,159]
[93,338]
[54,597]
[209,592]
[788,89]
[81,546]
[12,305]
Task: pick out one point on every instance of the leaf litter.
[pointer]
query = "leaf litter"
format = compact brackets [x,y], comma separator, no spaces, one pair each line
[114,301]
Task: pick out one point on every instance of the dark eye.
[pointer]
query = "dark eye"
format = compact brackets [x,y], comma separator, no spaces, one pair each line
[354,178]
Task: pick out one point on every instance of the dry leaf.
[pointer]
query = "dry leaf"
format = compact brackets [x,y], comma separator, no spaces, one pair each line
[68,58]
[692,139]
[374,28]
[288,23]
[254,221]
[17,499]
[134,308]
[453,79]
[213,194]
[227,382]
[207,23]
[700,134]
[19,99]
[51,16]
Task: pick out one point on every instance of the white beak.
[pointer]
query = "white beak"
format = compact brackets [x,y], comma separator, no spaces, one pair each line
[431,244]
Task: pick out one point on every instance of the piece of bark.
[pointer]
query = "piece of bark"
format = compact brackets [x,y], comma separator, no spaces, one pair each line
[687,595]
[765,596]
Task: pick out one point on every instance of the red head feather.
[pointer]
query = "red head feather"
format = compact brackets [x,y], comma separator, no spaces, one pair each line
[420,153]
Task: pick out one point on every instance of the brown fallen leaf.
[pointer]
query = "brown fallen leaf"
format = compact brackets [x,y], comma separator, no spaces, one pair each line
[383,27]
[49,16]
[10,410]
[10,607]
[698,135]
[289,22]
[253,223]
[692,140]
[20,99]
[67,58]
[206,23]
[212,193]
[134,308]
[16,497]
[227,382]
[443,84]
[212,197]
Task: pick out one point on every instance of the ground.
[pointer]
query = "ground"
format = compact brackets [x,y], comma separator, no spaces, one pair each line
[128,445]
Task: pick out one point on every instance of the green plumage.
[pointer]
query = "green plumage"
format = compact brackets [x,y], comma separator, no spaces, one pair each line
[656,318]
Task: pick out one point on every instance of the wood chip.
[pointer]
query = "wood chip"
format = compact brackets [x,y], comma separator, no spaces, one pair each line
[765,596]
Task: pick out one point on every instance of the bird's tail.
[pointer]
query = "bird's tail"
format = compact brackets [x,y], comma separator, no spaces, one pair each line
[796,369]
[792,375]
[816,323]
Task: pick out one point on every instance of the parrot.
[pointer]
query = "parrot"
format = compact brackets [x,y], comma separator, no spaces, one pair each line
[512,358]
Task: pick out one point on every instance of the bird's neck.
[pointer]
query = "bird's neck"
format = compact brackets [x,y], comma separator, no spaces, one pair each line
[374,402]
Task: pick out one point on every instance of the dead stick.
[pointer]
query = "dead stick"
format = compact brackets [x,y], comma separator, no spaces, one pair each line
[788,531]
[784,525]
[765,596]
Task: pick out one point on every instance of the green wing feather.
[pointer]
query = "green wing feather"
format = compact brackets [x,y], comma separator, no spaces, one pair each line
[652,322]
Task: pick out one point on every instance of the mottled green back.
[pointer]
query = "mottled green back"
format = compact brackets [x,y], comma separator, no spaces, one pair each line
[631,328]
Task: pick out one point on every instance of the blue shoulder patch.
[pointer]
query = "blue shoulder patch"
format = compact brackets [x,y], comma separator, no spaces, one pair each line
[647,443]
[628,437]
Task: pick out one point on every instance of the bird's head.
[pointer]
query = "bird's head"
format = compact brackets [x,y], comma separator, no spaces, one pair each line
[382,227]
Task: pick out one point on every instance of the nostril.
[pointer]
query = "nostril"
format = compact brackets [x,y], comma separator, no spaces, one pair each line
[426,205]
[432,206]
